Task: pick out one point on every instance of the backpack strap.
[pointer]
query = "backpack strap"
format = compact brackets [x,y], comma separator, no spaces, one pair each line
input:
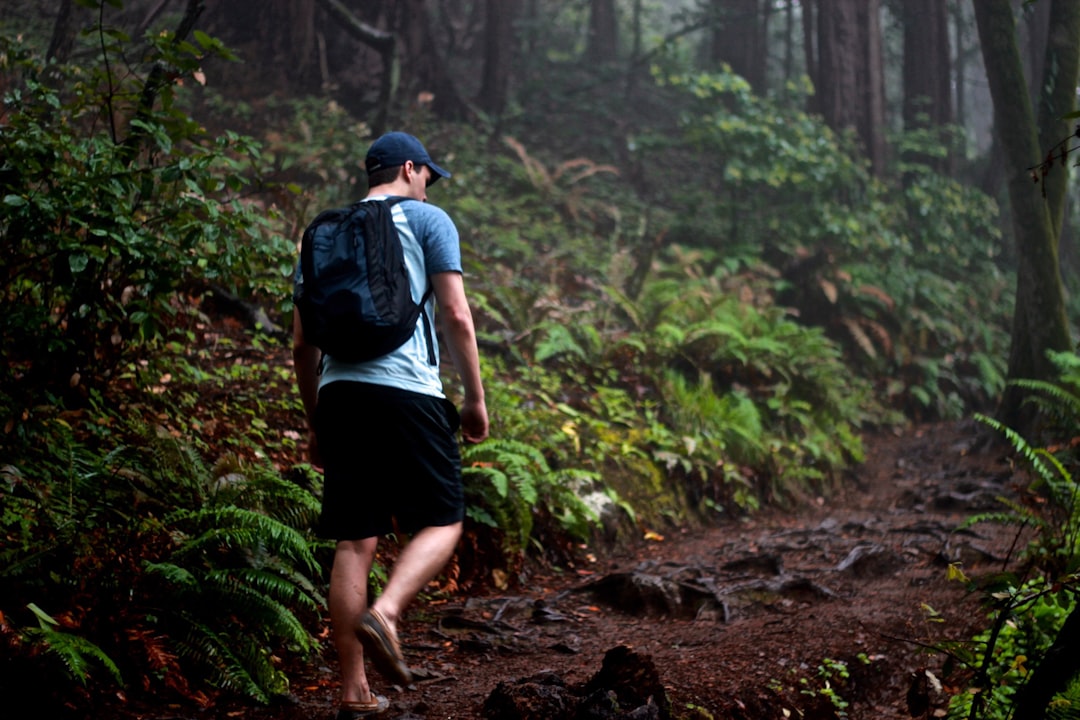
[391,201]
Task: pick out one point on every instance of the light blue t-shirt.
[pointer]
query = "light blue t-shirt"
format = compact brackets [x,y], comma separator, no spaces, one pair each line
[430,243]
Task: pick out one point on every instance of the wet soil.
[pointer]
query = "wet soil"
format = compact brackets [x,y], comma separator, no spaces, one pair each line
[831,609]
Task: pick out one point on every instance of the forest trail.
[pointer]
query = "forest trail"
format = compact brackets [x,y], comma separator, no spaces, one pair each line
[749,619]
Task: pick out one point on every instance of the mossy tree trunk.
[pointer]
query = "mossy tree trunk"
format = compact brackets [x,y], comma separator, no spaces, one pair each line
[1039,322]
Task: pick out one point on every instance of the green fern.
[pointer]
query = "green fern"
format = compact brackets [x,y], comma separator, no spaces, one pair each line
[215,653]
[75,654]
[213,528]
[522,479]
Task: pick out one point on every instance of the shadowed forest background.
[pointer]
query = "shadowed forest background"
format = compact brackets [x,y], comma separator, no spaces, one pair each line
[710,244]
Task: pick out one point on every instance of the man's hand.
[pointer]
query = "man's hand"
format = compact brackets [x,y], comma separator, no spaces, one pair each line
[313,450]
[474,422]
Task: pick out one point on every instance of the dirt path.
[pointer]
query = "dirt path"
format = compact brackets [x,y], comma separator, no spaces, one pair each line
[747,620]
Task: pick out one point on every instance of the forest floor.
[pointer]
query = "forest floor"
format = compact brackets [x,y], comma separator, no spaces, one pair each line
[749,619]
[835,607]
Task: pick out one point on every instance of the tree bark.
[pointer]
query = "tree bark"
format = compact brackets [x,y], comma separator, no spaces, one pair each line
[1039,321]
[810,48]
[789,40]
[63,37]
[850,86]
[499,42]
[424,69]
[927,73]
[870,81]
[602,45]
[1058,98]
[836,88]
[738,31]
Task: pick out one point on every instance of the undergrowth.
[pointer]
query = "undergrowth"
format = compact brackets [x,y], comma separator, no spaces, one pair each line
[653,356]
[1028,608]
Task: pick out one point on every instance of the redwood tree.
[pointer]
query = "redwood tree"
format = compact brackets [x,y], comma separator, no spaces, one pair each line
[927,71]
[603,40]
[850,82]
[738,38]
[1039,321]
[499,41]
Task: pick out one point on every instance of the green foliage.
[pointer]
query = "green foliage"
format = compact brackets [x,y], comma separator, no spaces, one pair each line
[826,684]
[178,577]
[105,228]
[906,278]
[1025,622]
[1028,612]
[76,654]
[508,479]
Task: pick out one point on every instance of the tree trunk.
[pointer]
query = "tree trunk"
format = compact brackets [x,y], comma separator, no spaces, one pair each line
[789,41]
[836,88]
[63,37]
[738,31]
[927,73]
[157,80]
[1057,99]
[1039,322]
[810,49]
[1058,667]
[499,40]
[384,43]
[424,70]
[276,38]
[602,43]
[851,85]
[870,81]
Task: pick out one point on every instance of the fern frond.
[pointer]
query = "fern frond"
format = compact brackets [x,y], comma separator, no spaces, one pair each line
[179,577]
[279,498]
[878,294]
[558,340]
[1057,395]
[239,528]
[534,169]
[213,653]
[77,655]
[1019,444]
[861,339]
[495,476]
[269,617]
[1000,518]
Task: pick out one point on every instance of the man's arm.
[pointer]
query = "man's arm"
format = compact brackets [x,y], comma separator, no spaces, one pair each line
[460,333]
[306,359]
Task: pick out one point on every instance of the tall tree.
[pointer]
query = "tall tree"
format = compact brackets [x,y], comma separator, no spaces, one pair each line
[1058,97]
[850,82]
[927,72]
[424,69]
[276,36]
[499,42]
[603,42]
[1039,322]
[739,30]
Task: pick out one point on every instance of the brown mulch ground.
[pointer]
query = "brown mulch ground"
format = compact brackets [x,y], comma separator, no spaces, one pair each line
[737,619]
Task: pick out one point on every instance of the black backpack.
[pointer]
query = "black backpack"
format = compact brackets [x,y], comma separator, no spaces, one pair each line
[354,301]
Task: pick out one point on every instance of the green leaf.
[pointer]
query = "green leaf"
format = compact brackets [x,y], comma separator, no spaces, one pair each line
[14,200]
[78,262]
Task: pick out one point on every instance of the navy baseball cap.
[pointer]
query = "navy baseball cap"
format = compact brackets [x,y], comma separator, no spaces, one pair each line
[394,148]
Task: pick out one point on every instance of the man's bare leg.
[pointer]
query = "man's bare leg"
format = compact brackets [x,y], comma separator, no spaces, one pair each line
[348,601]
[422,559]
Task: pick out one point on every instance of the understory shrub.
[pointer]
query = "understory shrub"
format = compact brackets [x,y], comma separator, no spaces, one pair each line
[133,562]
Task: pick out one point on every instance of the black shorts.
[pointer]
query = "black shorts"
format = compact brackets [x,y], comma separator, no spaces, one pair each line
[388,455]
